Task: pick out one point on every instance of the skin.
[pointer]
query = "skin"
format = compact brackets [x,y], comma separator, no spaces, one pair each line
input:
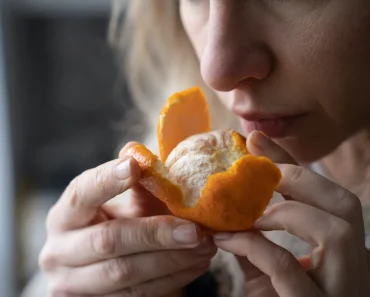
[118,250]
[270,56]
[286,58]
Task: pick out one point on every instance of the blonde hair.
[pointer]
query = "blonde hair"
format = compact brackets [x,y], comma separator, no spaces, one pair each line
[157,58]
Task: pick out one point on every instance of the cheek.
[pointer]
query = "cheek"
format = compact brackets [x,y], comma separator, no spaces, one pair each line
[335,63]
[194,20]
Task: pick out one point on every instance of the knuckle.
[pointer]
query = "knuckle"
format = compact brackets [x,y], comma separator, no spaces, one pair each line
[103,240]
[294,172]
[135,292]
[101,178]
[117,271]
[70,195]
[59,284]
[350,204]
[47,260]
[151,235]
[339,232]
[56,289]
[179,259]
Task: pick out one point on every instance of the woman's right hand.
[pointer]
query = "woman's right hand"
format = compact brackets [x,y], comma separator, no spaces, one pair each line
[90,252]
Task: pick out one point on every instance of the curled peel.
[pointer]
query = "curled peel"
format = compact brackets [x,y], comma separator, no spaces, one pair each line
[185,114]
[210,178]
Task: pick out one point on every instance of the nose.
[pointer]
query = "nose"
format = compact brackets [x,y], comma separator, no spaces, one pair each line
[234,52]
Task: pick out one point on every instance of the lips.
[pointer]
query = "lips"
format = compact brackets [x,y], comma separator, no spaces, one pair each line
[276,127]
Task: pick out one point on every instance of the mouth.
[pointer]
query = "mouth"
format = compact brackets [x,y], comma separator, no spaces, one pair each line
[272,125]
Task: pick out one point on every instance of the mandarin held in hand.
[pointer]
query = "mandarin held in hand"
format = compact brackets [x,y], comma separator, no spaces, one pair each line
[203,176]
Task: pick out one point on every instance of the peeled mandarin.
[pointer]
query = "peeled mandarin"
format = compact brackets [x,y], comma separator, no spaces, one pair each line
[202,176]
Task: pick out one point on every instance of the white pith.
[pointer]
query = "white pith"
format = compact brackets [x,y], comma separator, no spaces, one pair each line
[193,160]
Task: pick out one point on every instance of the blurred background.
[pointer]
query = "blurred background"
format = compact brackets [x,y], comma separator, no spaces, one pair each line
[62,106]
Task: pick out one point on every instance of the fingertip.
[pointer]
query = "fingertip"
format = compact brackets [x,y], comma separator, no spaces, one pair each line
[257,142]
[222,236]
[135,169]
[186,232]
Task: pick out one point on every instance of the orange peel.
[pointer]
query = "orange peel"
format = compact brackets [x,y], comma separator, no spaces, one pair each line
[206,177]
[185,114]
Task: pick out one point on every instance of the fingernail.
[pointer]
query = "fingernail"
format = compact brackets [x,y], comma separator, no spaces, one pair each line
[185,234]
[266,211]
[263,133]
[262,220]
[222,236]
[123,169]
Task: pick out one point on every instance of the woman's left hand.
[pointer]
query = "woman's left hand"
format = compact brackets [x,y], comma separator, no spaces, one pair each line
[323,214]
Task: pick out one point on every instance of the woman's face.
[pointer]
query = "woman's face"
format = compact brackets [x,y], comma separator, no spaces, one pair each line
[298,70]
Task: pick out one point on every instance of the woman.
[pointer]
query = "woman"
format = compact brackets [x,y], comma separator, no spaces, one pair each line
[296,70]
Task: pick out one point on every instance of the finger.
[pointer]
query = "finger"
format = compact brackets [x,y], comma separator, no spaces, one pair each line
[163,286]
[333,239]
[154,288]
[287,276]
[82,199]
[255,280]
[310,188]
[124,272]
[140,203]
[122,210]
[259,144]
[149,204]
[119,238]
[320,229]
[306,262]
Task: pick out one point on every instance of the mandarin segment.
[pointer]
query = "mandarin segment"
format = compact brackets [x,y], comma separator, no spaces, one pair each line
[185,114]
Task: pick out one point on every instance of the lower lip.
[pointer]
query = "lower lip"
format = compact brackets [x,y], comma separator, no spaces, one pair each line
[276,128]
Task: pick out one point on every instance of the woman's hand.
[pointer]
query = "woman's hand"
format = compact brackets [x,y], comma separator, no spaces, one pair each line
[317,211]
[97,250]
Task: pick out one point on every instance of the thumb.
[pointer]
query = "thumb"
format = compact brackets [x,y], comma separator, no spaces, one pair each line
[147,202]
[140,203]
[259,144]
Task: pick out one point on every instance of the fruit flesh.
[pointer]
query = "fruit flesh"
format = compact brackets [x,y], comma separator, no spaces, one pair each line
[202,176]
[211,179]
[198,157]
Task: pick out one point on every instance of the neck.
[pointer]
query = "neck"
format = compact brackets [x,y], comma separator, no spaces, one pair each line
[349,165]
